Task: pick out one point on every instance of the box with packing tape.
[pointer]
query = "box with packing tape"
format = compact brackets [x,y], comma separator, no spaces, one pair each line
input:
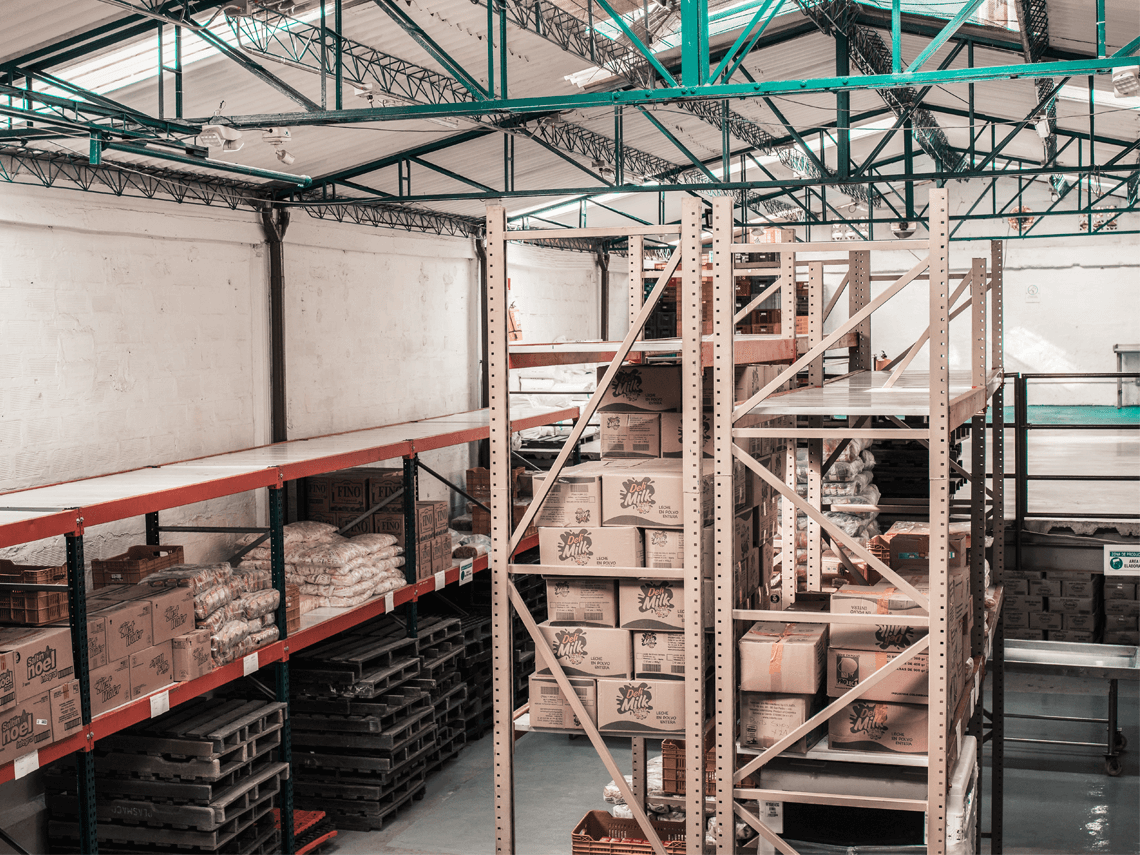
[641,706]
[111,685]
[26,727]
[151,669]
[33,661]
[665,548]
[846,669]
[588,651]
[575,497]
[651,604]
[549,708]
[592,602]
[613,546]
[66,715]
[783,657]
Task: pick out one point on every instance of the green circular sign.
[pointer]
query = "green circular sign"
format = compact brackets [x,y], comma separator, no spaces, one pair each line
[1116,563]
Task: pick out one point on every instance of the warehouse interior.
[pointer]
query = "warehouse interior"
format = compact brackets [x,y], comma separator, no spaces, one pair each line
[370,365]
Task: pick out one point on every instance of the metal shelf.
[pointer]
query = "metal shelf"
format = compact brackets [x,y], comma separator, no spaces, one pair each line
[748,349]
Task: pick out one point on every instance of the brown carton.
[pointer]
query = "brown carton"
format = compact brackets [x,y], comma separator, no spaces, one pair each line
[631,435]
[665,548]
[615,546]
[130,627]
[1046,620]
[1122,607]
[33,661]
[1080,636]
[383,483]
[348,490]
[912,551]
[767,717]
[441,552]
[783,657]
[1017,586]
[658,655]
[1121,636]
[592,602]
[66,715]
[96,641]
[588,651]
[392,522]
[744,535]
[846,669]
[191,655]
[1119,589]
[425,560]
[651,604]
[151,669]
[641,706]
[317,494]
[1082,622]
[1075,605]
[648,493]
[1044,587]
[889,728]
[747,383]
[1081,585]
[442,517]
[110,685]
[425,520]
[1019,603]
[26,727]
[1122,623]
[349,525]
[574,499]
[549,708]
[1016,620]
[673,435]
[172,612]
[1027,634]
[642,389]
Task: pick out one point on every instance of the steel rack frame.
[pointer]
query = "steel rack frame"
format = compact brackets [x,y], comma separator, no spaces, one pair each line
[68,508]
[947,401]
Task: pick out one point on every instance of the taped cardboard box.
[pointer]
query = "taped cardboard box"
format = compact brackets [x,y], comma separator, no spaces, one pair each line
[1081,585]
[1083,622]
[1122,623]
[649,493]
[151,669]
[613,546]
[26,727]
[888,728]
[66,714]
[33,661]
[1044,587]
[1075,605]
[441,553]
[1027,634]
[110,685]
[908,683]
[642,389]
[767,717]
[783,657]
[172,612]
[592,602]
[1121,636]
[641,706]
[96,641]
[912,551]
[658,655]
[588,651]
[1016,620]
[574,499]
[191,655]
[549,708]
[1077,636]
[631,435]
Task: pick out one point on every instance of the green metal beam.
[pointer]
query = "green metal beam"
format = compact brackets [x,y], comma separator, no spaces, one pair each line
[637,43]
[665,132]
[949,30]
[220,166]
[656,96]
[420,37]
[767,10]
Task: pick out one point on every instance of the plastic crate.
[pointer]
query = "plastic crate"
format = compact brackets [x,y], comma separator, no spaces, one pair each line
[673,768]
[32,574]
[135,564]
[32,608]
[601,833]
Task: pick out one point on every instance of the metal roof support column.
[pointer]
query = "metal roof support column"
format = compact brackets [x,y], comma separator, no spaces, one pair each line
[275,222]
[694,42]
[896,36]
[842,108]
[420,37]
[997,567]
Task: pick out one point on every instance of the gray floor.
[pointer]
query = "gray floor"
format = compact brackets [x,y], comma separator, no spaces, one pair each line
[1056,802]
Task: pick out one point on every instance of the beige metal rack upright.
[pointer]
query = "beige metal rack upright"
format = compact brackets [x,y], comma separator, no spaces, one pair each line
[947,400]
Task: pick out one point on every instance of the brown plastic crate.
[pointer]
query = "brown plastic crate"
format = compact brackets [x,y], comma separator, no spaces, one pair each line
[673,768]
[33,574]
[34,608]
[292,608]
[625,836]
[135,564]
[479,482]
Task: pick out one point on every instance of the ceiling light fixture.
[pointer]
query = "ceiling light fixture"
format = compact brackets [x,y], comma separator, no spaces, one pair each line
[220,137]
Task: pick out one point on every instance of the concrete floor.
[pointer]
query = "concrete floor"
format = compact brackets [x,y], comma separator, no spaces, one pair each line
[1056,802]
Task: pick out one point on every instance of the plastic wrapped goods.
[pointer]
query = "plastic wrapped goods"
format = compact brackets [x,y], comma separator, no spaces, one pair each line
[330,553]
[196,577]
[209,600]
[253,578]
[230,611]
[374,542]
[260,603]
[225,643]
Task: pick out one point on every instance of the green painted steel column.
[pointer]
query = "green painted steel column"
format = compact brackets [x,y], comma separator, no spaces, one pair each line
[896,36]
[490,49]
[502,49]
[842,107]
[908,152]
[338,57]
[281,669]
[694,42]
[84,760]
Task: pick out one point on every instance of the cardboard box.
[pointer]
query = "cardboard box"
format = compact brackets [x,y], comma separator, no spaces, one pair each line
[1116,589]
[651,604]
[641,706]
[110,685]
[1046,620]
[884,598]
[658,655]
[574,499]
[172,612]
[1044,587]
[846,669]
[744,535]
[912,551]
[649,493]
[96,641]
[26,727]
[642,389]
[317,495]
[392,522]
[1122,623]
[588,651]
[1086,586]
[746,384]
[1122,607]
[665,548]
[1075,605]
[66,714]
[33,661]
[1120,636]
[441,553]
[130,628]
[425,560]
[426,515]
[1019,603]
[341,520]
[348,490]
[766,717]
[631,435]
[615,546]
[1082,622]
[151,669]
[591,602]
[191,655]
[1016,620]
[1078,636]
[1027,634]
[442,517]
[383,483]
[1017,586]
[783,657]
[673,435]
[549,708]
[888,728]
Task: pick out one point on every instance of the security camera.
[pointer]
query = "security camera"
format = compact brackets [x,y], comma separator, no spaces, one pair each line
[285,157]
[902,229]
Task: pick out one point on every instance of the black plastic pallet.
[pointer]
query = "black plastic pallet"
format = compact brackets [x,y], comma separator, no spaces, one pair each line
[383,718]
[206,729]
[317,766]
[432,629]
[350,817]
[391,740]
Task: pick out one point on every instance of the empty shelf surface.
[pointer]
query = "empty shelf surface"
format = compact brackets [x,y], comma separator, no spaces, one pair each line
[863,395]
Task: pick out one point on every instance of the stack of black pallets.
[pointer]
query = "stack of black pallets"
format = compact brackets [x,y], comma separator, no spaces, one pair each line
[441,650]
[201,778]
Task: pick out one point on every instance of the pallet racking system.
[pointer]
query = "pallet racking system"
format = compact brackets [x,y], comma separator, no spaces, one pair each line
[68,509]
[947,400]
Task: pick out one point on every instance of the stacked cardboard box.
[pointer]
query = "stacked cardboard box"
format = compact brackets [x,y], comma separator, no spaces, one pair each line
[1121,611]
[781,673]
[1057,605]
